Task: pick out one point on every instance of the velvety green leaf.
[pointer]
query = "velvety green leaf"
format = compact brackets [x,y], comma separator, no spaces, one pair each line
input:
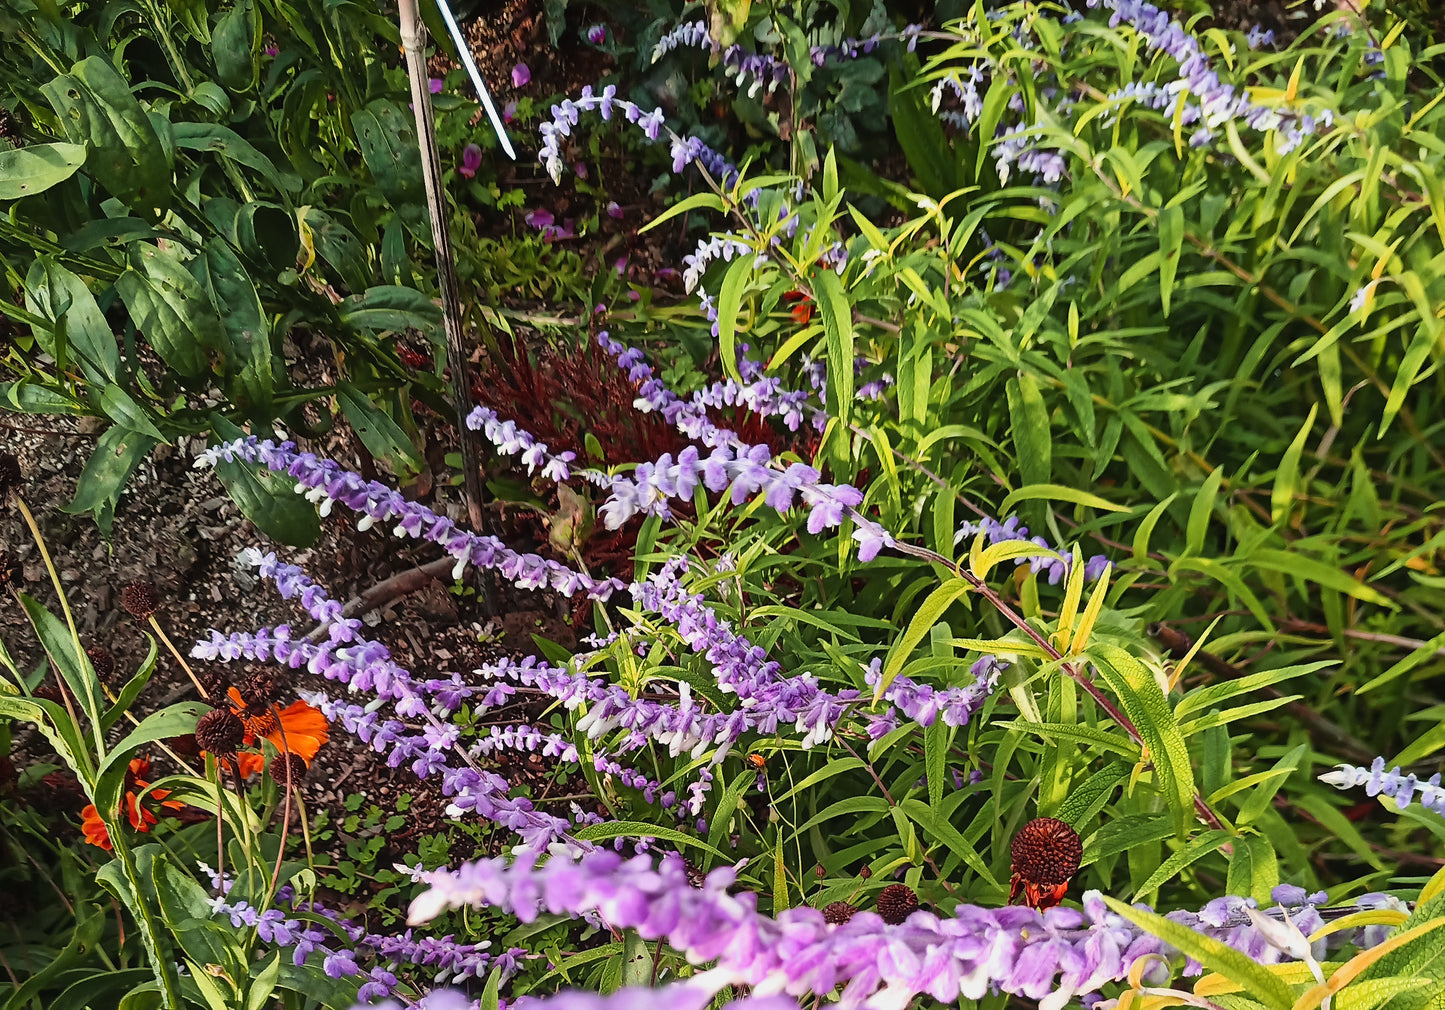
[229,144]
[121,407]
[236,46]
[95,107]
[25,171]
[382,436]
[57,294]
[116,455]
[170,309]
[247,329]
[389,308]
[386,133]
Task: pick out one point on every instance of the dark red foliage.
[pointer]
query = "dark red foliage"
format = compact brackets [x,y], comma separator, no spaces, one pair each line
[561,394]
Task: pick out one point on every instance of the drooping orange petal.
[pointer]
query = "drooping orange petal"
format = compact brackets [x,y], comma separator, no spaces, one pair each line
[303,730]
[248,764]
[94,828]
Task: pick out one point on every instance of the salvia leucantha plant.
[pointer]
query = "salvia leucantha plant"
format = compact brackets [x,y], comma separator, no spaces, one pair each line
[847,746]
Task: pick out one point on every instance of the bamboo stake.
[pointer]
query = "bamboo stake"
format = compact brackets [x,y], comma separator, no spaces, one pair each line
[413,40]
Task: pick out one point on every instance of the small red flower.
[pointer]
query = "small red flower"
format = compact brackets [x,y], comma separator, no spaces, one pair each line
[802,310]
[140,817]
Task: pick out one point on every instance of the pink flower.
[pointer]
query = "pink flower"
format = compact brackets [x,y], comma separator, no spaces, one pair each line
[434,85]
[272,50]
[541,218]
[581,169]
[521,76]
[597,35]
[471,160]
[613,210]
[509,111]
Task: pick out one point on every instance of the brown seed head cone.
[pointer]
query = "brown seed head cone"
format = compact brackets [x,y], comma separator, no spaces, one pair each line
[215,684]
[896,902]
[838,913]
[1046,851]
[140,600]
[220,732]
[866,871]
[260,689]
[102,660]
[288,769]
[10,475]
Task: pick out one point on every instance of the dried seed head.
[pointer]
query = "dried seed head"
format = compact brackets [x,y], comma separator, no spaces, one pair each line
[819,872]
[102,660]
[49,692]
[896,902]
[214,684]
[140,600]
[259,690]
[838,913]
[288,769]
[220,732]
[866,872]
[1046,851]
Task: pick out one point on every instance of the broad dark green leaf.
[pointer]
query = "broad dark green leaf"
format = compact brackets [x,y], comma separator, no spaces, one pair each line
[25,171]
[389,308]
[123,151]
[171,309]
[116,455]
[382,436]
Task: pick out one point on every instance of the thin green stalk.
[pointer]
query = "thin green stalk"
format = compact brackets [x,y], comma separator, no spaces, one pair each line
[161,964]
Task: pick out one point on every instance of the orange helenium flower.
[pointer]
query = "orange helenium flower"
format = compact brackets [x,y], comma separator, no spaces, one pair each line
[140,818]
[301,729]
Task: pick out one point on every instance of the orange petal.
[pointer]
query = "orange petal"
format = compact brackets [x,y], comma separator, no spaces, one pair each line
[249,764]
[305,730]
[94,828]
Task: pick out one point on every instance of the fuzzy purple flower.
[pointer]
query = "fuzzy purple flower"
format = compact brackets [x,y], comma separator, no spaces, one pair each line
[1403,789]
[1048,956]
[471,160]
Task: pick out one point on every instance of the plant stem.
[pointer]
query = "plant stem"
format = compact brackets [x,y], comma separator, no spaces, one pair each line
[413,41]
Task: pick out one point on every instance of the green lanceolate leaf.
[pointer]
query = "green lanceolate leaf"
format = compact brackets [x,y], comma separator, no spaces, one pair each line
[837,317]
[116,455]
[174,720]
[389,308]
[1145,705]
[78,325]
[386,133]
[1256,979]
[382,436]
[246,327]
[123,151]
[171,310]
[25,171]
